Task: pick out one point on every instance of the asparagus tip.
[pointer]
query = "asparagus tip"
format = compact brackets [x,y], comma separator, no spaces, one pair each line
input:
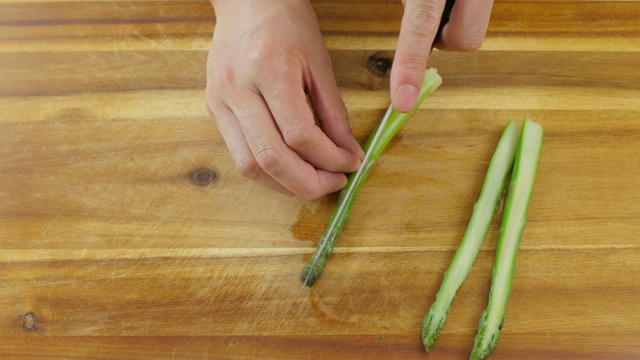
[486,338]
[307,278]
[431,326]
[313,270]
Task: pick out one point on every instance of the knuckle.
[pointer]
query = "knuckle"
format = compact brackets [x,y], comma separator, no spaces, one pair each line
[295,137]
[247,167]
[226,76]
[260,58]
[423,18]
[267,158]
[271,53]
[264,48]
[467,43]
[413,63]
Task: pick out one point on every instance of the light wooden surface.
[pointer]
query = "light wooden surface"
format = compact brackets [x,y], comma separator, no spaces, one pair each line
[114,244]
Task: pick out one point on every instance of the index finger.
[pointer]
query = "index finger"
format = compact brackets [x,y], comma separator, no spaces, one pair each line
[418,30]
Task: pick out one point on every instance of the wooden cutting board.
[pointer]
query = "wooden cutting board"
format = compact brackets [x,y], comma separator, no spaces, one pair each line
[127,233]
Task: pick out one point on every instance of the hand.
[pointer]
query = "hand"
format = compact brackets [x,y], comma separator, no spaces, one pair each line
[265,58]
[465,31]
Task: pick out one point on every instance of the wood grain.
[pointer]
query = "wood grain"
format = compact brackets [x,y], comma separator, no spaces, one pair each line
[127,233]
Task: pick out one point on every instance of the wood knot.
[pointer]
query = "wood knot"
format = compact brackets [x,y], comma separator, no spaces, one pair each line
[204,177]
[379,64]
[29,322]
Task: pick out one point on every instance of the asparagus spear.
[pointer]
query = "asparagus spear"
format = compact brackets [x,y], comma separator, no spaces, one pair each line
[484,209]
[373,148]
[513,221]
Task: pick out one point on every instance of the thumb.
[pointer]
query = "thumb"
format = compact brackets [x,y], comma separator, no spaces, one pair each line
[418,29]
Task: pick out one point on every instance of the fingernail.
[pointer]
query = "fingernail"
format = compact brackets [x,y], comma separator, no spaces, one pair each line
[406,98]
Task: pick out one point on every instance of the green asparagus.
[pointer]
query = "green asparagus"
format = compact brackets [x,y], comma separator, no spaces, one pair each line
[373,149]
[483,211]
[512,226]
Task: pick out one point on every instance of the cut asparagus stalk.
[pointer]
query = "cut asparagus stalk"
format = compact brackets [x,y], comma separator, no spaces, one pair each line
[373,148]
[483,211]
[513,221]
